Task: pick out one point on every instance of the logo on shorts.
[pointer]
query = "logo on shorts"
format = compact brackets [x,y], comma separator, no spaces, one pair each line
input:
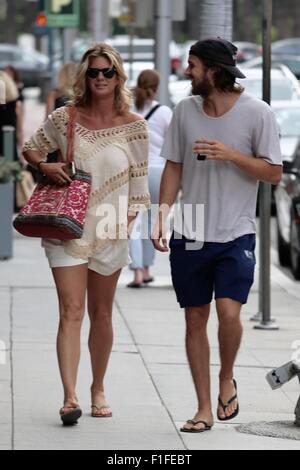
[249,254]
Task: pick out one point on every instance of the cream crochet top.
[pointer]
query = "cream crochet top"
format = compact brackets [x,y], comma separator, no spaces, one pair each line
[117,159]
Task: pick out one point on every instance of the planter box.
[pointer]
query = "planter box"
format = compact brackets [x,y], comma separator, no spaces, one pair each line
[6,215]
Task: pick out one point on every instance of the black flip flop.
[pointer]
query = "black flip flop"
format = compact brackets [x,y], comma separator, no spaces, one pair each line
[191,421]
[147,281]
[225,406]
[134,285]
[71,417]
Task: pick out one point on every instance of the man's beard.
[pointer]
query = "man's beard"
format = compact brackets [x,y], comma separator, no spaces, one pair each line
[203,88]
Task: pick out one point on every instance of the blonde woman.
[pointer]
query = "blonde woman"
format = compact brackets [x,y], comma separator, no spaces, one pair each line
[11,114]
[62,93]
[159,117]
[112,144]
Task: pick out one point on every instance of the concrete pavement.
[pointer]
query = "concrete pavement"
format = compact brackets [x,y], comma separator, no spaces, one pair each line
[148,382]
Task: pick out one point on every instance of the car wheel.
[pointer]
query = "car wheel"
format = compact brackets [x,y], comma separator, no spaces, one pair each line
[283,250]
[295,249]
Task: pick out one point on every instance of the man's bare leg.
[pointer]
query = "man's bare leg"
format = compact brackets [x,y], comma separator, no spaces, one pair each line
[198,353]
[230,335]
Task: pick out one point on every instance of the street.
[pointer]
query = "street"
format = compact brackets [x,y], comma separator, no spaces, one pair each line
[148,383]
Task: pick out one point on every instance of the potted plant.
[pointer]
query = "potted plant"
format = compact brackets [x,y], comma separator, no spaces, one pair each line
[9,172]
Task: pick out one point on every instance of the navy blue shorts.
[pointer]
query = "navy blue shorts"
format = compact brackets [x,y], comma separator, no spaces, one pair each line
[224,268]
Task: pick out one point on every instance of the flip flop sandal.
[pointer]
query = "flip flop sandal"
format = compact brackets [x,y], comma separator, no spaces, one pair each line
[70,418]
[134,285]
[147,281]
[225,406]
[96,415]
[191,421]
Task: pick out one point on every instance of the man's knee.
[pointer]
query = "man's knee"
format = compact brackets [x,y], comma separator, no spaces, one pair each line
[196,318]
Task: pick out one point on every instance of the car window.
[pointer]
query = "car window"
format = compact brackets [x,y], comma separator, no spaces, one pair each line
[280,89]
[288,49]
[7,56]
[289,122]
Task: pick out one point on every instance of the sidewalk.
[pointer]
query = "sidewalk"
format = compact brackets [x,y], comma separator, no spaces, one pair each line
[148,383]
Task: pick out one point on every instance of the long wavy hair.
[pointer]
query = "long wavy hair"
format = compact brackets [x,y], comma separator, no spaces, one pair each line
[147,85]
[81,92]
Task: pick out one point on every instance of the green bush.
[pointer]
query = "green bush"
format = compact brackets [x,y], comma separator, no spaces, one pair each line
[9,171]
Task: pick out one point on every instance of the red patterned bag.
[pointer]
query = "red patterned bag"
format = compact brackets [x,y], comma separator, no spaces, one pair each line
[55,211]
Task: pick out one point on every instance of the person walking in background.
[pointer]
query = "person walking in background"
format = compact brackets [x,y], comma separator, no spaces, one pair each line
[141,248]
[62,93]
[15,75]
[220,143]
[11,114]
[111,143]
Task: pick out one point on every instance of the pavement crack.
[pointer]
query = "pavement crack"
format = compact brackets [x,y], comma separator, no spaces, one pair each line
[11,344]
[149,373]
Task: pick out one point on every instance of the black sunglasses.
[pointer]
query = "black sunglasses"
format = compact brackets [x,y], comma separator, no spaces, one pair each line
[94,73]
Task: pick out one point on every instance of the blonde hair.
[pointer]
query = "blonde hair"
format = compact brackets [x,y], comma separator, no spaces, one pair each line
[81,91]
[11,90]
[66,79]
[147,85]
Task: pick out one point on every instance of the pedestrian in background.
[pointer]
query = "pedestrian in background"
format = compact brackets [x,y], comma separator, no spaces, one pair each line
[220,143]
[15,75]
[63,92]
[142,251]
[111,144]
[11,114]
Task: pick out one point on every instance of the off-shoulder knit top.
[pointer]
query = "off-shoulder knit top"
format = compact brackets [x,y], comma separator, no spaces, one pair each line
[117,159]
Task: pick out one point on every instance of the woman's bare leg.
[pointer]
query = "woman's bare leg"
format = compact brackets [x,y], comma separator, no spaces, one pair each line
[101,291]
[71,285]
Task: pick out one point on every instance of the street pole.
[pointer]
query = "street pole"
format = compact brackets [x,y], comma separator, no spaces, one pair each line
[68,36]
[163,25]
[264,313]
[99,20]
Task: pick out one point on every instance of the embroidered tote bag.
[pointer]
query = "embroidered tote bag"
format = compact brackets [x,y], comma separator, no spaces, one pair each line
[55,211]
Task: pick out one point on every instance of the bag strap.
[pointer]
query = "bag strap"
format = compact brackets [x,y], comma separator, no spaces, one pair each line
[72,111]
[152,111]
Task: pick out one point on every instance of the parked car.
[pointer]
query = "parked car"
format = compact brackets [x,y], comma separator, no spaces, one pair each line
[284,84]
[290,46]
[287,193]
[142,50]
[31,64]
[290,61]
[247,51]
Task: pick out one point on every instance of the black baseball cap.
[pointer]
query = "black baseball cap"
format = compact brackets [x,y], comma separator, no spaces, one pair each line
[220,51]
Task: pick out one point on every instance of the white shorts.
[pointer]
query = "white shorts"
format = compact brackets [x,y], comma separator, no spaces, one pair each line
[110,259]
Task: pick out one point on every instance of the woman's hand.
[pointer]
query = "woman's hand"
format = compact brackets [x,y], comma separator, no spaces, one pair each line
[56,172]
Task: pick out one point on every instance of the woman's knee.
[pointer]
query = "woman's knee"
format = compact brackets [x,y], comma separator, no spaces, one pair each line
[101,316]
[71,312]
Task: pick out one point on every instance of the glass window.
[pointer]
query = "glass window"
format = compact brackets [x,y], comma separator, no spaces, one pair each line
[289,122]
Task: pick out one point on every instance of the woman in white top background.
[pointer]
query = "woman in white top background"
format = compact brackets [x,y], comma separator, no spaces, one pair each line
[159,117]
[111,143]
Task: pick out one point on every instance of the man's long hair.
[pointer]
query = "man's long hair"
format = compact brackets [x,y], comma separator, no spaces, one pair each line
[223,79]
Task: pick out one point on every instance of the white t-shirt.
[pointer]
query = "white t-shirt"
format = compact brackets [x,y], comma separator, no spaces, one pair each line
[158,125]
[226,194]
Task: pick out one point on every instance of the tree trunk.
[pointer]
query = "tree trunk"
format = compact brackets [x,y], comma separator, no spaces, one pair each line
[216,19]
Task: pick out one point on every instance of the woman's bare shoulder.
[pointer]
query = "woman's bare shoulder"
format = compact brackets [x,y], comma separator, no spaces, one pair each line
[132,117]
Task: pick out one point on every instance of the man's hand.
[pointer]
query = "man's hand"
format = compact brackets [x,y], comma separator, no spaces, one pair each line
[160,243]
[214,150]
